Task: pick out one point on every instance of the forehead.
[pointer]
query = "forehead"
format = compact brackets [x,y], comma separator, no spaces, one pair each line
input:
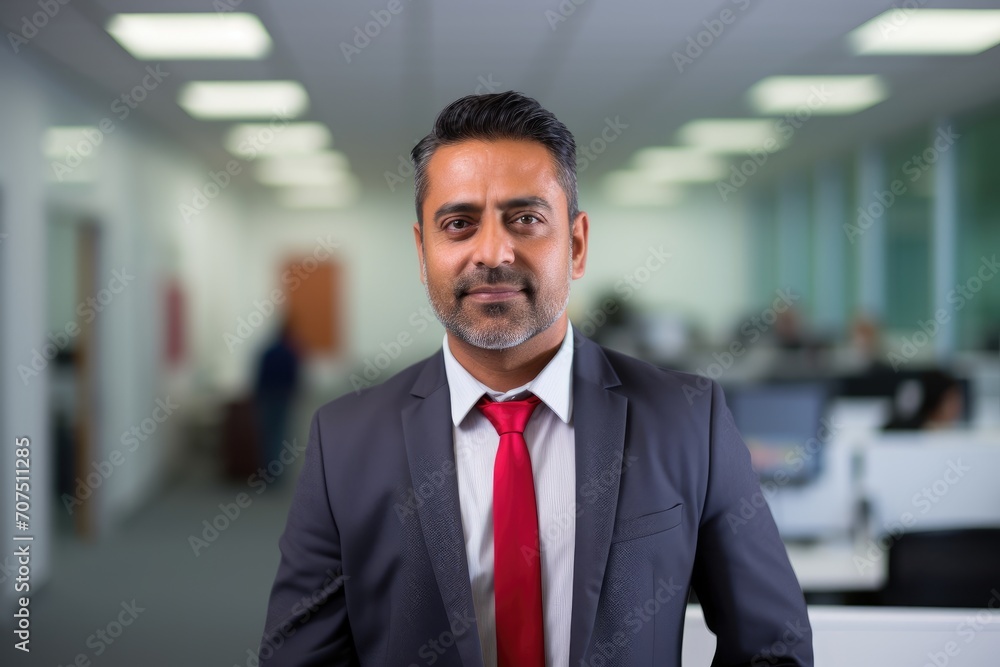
[481,167]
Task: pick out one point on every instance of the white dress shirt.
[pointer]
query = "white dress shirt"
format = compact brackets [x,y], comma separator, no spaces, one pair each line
[549,435]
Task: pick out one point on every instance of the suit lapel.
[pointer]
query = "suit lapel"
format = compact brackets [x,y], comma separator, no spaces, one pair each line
[430,451]
[599,423]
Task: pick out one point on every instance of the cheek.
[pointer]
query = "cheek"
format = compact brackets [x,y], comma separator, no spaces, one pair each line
[440,273]
[555,268]
[436,267]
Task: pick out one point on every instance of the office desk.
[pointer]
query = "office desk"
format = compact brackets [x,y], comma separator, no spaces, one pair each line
[879,637]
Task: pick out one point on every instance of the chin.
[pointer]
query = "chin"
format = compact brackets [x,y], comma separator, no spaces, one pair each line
[498,336]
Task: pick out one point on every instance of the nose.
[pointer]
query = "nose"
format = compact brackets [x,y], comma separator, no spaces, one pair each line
[494,243]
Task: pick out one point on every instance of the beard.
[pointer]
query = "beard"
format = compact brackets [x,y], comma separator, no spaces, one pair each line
[503,324]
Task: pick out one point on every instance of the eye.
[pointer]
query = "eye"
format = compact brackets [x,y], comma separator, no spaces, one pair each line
[457,225]
[527,218]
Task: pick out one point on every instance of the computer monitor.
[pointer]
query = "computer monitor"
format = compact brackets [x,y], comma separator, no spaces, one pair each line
[781,425]
[887,384]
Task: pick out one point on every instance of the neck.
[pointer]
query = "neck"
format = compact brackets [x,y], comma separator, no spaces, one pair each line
[502,370]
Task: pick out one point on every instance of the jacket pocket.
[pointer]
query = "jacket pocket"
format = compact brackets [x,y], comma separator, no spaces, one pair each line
[648,524]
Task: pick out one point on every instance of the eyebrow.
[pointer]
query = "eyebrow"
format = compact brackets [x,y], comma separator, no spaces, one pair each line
[516,202]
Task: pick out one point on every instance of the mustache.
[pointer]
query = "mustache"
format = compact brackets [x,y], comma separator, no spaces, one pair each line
[494,276]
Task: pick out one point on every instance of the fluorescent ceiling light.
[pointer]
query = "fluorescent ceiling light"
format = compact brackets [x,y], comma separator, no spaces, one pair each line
[679,165]
[817,95]
[207,36]
[633,188]
[328,168]
[210,100]
[249,140]
[731,135]
[339,196]
[928,31]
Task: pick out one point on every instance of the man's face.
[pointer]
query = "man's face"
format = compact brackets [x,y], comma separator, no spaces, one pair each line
[496,254]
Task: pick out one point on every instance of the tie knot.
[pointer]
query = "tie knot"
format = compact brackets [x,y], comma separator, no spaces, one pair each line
[508,416]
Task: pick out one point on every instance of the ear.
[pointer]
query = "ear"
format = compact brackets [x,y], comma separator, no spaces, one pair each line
[418,239]
[581,233]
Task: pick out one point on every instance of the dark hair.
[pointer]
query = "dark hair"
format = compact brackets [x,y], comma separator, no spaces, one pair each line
[508,115]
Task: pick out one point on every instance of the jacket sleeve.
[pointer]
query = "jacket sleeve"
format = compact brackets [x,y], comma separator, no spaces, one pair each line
[307,620]
[744,581]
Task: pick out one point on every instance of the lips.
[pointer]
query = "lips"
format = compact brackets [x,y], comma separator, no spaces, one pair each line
[494,292]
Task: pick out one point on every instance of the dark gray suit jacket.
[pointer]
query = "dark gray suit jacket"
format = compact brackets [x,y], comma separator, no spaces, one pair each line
[373,564]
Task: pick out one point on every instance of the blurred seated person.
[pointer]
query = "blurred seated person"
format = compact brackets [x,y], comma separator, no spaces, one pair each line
[801,351]
[866,346]
[789,333]
[930,401]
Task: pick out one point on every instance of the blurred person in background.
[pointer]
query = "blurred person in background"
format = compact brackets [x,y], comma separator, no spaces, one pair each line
[275,389]
[866,347]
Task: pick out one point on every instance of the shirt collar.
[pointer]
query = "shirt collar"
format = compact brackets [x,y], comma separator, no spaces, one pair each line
[553,384]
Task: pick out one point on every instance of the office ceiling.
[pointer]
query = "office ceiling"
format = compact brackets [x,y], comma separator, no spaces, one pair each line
[604,59]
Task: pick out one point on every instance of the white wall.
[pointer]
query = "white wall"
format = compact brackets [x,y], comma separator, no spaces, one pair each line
[138,179]
[22,305]
[707,278]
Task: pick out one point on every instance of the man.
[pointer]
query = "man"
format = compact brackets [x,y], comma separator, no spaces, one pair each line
[524,497]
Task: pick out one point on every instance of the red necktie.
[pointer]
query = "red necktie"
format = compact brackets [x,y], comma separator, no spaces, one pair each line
[517,567]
